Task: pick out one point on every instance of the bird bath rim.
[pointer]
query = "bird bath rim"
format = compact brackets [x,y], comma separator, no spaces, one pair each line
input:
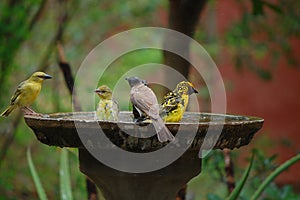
[71,116]
[161,183]
[59,129]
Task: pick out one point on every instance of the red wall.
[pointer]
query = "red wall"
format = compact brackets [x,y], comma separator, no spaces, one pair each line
[277,100]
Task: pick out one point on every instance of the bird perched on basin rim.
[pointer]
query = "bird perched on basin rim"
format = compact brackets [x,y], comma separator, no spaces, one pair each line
[175,102]
[137,116]
[107,108]
[26,93]
[144,100]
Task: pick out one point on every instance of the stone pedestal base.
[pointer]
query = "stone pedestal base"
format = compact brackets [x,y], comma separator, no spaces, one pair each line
[162,184]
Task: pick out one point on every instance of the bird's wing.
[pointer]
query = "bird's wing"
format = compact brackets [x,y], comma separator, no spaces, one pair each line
[115,105]
[17,93]
[171,101]
[145,100]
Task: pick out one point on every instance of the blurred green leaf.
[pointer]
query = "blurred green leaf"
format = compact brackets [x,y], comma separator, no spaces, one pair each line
[35,176]
[257,7]
[213,197]
[274,174]
[64,175]
[274,7]
[264,74]
[237,190]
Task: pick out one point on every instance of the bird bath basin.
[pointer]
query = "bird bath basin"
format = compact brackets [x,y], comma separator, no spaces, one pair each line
[81,130]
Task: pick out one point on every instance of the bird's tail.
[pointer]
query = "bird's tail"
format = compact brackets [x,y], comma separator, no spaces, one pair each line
[8,110]
[162,131]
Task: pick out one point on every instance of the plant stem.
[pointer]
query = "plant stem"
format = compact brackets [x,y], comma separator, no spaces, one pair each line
[274,174]
[237,190]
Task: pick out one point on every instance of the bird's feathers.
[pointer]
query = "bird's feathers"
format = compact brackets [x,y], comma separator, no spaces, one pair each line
[8,110]
[17,92]
[107,108]
[163,132]
[171,102]
[26,92]
[144,99]
[175,102]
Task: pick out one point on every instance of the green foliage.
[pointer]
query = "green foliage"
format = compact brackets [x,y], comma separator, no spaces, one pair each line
[213,197]
[64,174]
[264,165]
[264,31]
[237,190]
[273,175]
[259,5]
[24,45]
[25,37]
[128,61]
[286,192]
[36,178]
[211,181]
[14,30]
[260,179]
[258,39]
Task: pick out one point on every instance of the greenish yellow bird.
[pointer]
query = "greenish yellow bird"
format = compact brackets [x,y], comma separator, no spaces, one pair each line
[26,93]
[107,108]
[175,102]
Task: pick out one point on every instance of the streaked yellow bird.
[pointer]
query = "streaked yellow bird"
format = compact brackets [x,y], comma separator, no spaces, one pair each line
[175,102]
[107,108]
[26,93]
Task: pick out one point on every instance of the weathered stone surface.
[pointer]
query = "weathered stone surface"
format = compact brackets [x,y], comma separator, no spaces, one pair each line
[61,130]
[222,131]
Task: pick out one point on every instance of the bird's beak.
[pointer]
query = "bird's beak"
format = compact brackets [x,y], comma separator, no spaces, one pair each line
[97,91]
[192,90]
[127,78]
[46,76]
[145,82]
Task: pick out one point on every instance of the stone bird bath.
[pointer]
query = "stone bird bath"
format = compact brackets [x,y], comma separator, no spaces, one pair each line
[61,130]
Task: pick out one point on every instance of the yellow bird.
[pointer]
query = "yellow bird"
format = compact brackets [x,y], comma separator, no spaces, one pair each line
[26,93]
[175,102]
[107,108]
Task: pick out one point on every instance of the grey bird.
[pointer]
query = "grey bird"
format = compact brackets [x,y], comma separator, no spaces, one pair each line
[144,100]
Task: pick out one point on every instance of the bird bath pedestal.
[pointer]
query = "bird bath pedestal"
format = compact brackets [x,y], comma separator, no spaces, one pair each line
[81,130]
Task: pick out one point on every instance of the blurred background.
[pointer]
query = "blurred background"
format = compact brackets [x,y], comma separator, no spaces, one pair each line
[254,43]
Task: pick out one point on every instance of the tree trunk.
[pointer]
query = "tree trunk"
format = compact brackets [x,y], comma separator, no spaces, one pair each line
[183,17]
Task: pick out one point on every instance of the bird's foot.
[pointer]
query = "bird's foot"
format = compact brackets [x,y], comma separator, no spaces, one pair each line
[35,114]
[141,121]
[29,111]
